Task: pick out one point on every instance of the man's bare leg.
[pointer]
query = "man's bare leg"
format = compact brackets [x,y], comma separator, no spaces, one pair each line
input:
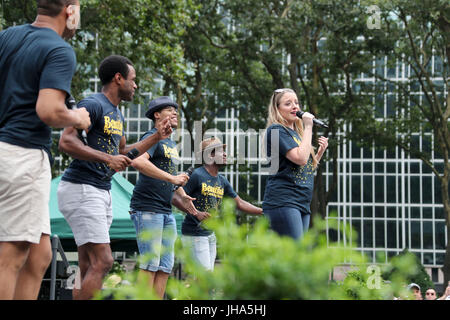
[13,256]
[100,262]
[160,283]
[30,276]
[155,280]
[83,265]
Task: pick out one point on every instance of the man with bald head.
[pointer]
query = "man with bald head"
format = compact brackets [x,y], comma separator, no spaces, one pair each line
[36,70]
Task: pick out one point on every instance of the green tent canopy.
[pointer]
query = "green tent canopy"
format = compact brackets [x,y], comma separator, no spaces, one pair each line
[122,232]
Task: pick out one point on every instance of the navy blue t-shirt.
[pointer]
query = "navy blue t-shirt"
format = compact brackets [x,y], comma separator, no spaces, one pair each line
[151,194]
[31,59]
[209,192]
[104,134]
[292,185]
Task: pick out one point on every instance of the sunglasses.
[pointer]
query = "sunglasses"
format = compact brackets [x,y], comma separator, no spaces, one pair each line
[282,90]
[171,109]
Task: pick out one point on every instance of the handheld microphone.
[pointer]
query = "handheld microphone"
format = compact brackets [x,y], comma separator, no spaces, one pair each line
[133,153]
[72,104]
[315,121]
[189,173]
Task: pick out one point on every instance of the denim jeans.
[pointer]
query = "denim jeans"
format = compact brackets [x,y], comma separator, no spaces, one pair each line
[156,235]
[288,221]
[203,249]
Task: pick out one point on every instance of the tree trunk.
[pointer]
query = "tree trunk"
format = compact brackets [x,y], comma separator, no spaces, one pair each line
[444,25]
[316,199]
[446,267]
[446,203]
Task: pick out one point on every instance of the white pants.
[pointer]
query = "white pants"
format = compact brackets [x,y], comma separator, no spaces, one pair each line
[203,249]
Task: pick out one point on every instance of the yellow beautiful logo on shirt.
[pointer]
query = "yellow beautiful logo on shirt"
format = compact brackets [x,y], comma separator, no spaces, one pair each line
[113,126]
[170,153]
[214,191]
[298,141]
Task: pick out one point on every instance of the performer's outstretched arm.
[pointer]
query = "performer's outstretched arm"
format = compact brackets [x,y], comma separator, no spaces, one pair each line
[183,201]
[164,130]
[146,167]
[247,206]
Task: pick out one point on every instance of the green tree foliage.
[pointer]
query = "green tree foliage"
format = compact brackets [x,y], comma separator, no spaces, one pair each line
[146,31]
[417,33]
[16,12]
[419,275]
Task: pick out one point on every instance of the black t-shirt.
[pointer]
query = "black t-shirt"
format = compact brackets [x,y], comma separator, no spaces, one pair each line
[151,194]
[209,192]
[292,185]
[31,59]
[104,134]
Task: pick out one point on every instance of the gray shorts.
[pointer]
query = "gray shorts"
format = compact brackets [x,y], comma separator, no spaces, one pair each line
[87,210]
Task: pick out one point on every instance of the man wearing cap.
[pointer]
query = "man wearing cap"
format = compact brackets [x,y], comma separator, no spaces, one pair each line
[151,209]
[415,289]
[208,187]
[84,196]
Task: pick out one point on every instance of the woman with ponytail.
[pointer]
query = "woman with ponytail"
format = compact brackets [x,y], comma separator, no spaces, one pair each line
[288,142]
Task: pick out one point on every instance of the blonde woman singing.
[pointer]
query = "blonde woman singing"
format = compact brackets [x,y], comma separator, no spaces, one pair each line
[289,190]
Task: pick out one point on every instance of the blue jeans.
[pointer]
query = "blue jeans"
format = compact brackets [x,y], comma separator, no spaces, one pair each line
[156,235]
[288,221]
[203,249]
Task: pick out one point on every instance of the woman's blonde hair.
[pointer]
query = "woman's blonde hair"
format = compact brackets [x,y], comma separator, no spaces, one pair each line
[275,117]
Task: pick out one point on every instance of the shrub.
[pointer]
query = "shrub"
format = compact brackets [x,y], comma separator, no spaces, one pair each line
[258,264]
